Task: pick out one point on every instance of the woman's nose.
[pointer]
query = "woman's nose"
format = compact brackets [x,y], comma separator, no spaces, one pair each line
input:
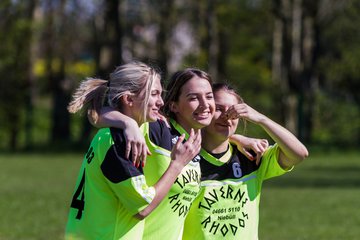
[160,101]
[203,103]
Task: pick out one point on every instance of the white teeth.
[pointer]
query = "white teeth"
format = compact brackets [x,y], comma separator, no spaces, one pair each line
[202,114]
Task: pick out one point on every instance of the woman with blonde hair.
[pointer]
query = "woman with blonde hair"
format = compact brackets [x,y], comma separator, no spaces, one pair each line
[112,195]
[189,104]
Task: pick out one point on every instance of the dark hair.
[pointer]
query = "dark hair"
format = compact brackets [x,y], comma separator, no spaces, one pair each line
[227,88]
[176,82]
[230,90]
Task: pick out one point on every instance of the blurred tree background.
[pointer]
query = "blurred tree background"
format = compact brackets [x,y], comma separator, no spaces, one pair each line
[297,61]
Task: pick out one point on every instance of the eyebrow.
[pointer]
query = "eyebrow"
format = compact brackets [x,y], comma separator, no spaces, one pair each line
[190,94]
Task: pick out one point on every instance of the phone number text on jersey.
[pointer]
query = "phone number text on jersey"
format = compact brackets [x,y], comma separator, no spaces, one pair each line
[226,210]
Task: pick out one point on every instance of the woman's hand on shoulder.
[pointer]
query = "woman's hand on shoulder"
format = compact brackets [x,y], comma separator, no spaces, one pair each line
[135,144]
[252,148]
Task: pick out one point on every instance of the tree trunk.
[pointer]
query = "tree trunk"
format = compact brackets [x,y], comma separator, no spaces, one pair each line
[294,60]
[30,86]
[18,77]
[294,109]
[107,48]
[111,49]
[60,130]
[162,43]
[211,40]
[222,55]
[282,61]
[60,115]
[309,79]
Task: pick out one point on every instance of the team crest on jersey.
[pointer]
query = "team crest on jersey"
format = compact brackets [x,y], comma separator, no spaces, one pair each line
[196,158]
[175,139]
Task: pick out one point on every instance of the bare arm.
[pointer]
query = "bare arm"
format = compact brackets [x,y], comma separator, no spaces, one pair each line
[292,151]
[136,144]
[181,155]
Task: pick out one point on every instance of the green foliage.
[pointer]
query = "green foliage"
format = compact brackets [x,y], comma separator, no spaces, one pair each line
[79,69]
[248,27]
[340,64]
[336,121]
[246,31]
[14,64]
[42,123]
[41,128]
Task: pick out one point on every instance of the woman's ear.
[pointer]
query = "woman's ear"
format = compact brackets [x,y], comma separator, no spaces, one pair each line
[127,99]
[173,107]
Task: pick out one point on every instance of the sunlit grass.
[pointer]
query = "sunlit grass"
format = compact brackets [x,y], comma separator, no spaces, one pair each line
[317,200]
[35,193]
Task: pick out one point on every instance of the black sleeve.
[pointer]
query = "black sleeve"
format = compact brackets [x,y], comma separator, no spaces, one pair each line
[116,167]
[160,134]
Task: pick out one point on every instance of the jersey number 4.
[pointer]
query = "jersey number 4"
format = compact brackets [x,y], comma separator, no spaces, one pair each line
[78,200]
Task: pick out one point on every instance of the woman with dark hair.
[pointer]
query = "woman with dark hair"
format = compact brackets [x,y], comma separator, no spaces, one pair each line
[228,204]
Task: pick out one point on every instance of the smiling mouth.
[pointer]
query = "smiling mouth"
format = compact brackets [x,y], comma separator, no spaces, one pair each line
[202,115]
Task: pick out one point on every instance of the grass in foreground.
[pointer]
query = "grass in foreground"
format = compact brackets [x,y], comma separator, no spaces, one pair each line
[317,200]
[35,194]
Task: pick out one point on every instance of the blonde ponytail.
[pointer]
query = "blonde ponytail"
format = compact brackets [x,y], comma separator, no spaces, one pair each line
[131,77]
[89,96]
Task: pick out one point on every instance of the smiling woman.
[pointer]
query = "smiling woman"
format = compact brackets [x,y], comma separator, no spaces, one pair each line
[228,203]
[112,196]
[189,104]
[189,100]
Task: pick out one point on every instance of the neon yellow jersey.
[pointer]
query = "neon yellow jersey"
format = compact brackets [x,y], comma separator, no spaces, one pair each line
[109,192]
[228,204]
[167,220]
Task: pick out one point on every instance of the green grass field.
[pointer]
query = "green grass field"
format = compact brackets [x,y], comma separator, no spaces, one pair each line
[319,199]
